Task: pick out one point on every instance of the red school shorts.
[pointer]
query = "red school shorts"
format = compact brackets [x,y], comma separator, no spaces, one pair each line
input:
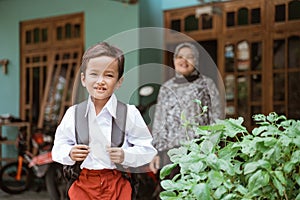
[105,184]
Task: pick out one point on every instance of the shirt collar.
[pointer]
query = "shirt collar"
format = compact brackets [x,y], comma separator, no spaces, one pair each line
[110,106]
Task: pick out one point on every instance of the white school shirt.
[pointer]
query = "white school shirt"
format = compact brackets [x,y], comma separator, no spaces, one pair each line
[136,133]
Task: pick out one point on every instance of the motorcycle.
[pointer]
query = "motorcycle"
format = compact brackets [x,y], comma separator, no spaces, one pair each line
[32,167]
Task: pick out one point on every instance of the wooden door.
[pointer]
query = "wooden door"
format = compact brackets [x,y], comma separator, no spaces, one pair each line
[51,51]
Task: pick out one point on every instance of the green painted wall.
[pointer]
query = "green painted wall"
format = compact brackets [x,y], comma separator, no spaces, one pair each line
[103,19]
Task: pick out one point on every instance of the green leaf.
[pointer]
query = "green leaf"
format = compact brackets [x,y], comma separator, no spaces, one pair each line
[241,189]
[168,185]
[196,167]
[220,192]
[212,161]
[296,141]
[234,126]
[226,166]
[272,117]
[280,177]
[194,148]
[214,127]
[250,167]
[278,185]
[272,131]
[228,184]
[204,109]
[206,146]
[215,179]
[176,153]
[295,157]
[269,141]
[229,151]
[288,167]
[258,180]
[285,141]
[166,170]
[269,153]
[248,147]
[229,197]
[259,117]
[237,167]
[201,191]
[297,178]
[264,164]
[198,102]
[257,131]
[168,195]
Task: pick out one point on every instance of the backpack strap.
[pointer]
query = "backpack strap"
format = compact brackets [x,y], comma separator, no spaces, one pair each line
[119,125]
[81,124]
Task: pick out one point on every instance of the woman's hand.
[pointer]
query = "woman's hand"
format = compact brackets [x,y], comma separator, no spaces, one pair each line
[155,164]
[79,152]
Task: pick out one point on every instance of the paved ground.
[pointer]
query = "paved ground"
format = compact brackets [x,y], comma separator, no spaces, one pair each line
[28,195]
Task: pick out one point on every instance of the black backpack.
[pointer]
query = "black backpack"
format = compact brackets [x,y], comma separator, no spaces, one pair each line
[71,172]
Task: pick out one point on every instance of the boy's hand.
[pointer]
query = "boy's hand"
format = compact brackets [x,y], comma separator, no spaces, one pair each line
[79,152]
[116,154]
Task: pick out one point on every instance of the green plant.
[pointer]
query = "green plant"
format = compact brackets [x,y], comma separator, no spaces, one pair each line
[228,162]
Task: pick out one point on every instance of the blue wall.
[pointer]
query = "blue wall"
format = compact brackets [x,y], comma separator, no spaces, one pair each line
[173,4]
[103,19]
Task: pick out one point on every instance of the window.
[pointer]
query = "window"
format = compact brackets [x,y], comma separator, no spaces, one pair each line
[191,23]
[49,60]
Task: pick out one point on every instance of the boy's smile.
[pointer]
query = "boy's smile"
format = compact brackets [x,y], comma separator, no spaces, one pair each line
[101,77]
[100,88]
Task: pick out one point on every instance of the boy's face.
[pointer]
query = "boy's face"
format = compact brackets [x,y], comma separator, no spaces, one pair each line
[184,62]
[101,77]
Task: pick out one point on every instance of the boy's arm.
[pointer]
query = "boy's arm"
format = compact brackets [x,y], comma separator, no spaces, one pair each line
[64,139]
[138,148]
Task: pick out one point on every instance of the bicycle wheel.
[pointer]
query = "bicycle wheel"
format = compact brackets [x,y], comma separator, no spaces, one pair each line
[8,181]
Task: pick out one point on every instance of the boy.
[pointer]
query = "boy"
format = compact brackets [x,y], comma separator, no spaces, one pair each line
[102,70]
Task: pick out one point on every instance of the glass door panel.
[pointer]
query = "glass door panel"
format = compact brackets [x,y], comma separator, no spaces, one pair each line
[279,109]
[229,58]
[242,96]
[278,54]
[230,87]
[256,88]
[256,56]
[286,76]
[294,52]
[294,95]
[243,56]
[278,87]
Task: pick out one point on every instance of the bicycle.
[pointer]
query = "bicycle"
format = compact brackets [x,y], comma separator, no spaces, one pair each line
[17,177]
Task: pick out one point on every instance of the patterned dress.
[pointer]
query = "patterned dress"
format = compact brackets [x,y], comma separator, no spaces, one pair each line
[176,98]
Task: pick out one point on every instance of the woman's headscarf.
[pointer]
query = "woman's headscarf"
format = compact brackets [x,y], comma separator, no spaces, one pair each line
[194,50]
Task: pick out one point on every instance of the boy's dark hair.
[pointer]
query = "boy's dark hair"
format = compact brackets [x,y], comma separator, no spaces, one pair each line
[104,49]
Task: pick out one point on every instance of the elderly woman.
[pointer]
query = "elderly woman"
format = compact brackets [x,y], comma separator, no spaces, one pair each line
[176,98]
